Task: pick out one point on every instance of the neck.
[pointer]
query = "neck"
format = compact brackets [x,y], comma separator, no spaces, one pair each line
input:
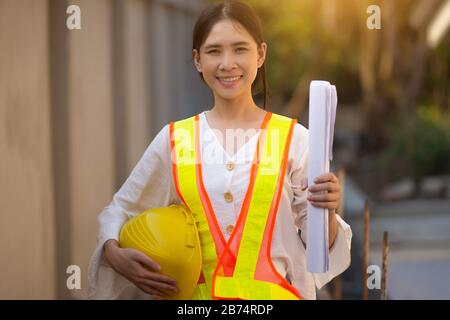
[241,108]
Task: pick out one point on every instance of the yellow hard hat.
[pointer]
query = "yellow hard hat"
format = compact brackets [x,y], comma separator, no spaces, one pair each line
[169,236]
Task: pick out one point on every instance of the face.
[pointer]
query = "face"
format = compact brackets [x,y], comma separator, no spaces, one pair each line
[229,59]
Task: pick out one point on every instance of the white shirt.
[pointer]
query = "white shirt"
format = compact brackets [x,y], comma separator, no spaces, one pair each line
[151,185]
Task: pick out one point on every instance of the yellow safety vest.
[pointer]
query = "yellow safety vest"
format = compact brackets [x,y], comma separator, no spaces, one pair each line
[240,268]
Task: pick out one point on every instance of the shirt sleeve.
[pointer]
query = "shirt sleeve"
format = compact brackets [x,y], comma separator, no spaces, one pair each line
[339,258]
[149,185]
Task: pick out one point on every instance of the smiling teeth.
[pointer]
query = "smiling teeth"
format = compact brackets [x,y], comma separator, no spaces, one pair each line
[230,79]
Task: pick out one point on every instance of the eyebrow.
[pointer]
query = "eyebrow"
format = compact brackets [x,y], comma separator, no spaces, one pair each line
[240,43]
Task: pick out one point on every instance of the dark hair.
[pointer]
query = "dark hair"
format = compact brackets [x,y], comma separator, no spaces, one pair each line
[240,12]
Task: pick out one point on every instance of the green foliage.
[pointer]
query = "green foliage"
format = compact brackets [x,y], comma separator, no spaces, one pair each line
[298,40]
[425,150]
[327,39]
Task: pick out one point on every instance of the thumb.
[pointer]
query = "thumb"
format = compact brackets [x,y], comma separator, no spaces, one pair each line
[304,183]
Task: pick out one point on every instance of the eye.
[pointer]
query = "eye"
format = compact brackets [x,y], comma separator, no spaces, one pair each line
[241,49]
[213,51]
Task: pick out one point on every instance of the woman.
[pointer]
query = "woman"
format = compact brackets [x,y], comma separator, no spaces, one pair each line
[229,53]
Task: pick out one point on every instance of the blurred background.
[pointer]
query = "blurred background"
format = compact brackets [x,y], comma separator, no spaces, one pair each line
[79,107]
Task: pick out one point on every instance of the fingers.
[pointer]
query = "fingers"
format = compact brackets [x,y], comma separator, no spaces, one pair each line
[325,186]
[157,294]
[162,283]
[147,262]
[145,274]
[146,268]
[327,205]
[155,276]
[160,286]
[320,180]
[161,278]
[328,197]
[161,289]
[328,176]
[325,192]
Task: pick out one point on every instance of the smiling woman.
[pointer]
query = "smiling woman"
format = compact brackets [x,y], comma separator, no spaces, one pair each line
[229,51]
[248,206]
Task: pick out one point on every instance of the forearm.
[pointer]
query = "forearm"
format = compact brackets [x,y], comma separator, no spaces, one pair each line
[109,249]
[332,227]
[110,243]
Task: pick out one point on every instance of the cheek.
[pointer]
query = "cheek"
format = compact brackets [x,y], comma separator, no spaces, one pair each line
[251,74]
[250,67]
[209,70]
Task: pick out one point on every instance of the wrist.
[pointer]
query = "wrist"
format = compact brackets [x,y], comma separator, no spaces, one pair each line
[332,221]
[332,228]
[332,214]
[110,247]
[111,243]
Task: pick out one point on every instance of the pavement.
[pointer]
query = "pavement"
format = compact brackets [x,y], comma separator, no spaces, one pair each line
[419,244]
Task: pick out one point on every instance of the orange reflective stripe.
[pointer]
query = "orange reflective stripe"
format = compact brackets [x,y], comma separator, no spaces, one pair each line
[264,281]
[189,191]
[250,289]
[228,262]
[263,196]
[220,244]
[191,204]
[265,252]
[270,274]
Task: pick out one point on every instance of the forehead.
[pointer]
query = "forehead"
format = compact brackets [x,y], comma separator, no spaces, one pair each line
[226,32]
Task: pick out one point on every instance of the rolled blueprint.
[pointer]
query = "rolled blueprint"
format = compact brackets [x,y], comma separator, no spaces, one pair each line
[322,114]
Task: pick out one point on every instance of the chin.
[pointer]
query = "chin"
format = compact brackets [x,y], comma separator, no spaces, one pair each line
[228,96]
[230,93]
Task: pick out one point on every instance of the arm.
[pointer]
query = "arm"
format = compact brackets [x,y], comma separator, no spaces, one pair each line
[149,185]
[326,193]
[333,227]
[340,233]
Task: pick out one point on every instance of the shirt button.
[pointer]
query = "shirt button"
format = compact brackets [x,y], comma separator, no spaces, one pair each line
[230,166]
[229,228]
[228,196]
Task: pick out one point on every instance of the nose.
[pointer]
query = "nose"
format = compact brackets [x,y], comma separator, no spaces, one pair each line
[227,62]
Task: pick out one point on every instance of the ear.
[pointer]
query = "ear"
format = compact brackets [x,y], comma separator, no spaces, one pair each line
[262,50]
[196,58]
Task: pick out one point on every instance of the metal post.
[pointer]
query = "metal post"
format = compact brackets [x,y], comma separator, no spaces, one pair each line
[383,293]
[337,282]
[365,291]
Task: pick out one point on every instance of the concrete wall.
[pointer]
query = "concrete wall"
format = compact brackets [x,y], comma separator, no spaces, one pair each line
[77,110]
[26,212]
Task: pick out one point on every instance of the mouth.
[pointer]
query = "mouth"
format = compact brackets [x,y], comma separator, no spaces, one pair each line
[229,82]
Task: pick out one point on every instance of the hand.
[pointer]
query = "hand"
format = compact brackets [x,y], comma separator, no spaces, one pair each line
[325,193]
[138,268]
